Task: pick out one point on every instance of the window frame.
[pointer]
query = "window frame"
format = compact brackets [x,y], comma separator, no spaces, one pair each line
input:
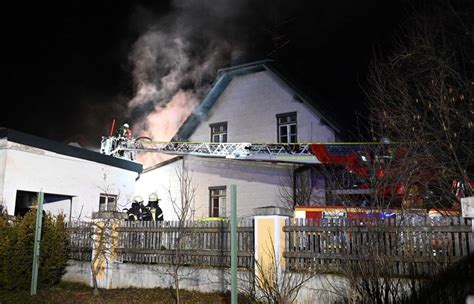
[288,124]
[221,210]
[219,133]
[106,205]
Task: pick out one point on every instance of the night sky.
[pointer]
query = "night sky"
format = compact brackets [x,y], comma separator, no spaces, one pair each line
[69,69]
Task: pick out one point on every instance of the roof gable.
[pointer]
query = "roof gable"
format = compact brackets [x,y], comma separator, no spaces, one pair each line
[224,77]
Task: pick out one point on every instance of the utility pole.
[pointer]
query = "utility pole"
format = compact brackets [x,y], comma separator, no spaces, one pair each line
[233,243]
[36,250]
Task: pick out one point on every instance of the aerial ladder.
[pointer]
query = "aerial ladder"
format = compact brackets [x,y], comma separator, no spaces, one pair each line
[301,153]
[353,156]
[273,152]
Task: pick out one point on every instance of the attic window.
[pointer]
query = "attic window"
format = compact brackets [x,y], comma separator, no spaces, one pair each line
[219,132]
[286,127]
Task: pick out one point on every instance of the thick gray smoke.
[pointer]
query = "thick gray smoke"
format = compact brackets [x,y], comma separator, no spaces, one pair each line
[175,60]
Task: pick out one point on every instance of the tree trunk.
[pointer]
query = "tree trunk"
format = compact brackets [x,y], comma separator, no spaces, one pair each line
[94,279]
[176,283]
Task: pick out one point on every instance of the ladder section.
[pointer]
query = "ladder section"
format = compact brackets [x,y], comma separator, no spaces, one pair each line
[298,153]
[274,152]
[206,149]
[278,152]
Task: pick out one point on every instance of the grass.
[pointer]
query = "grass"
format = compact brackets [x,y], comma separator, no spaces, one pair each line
[65,293]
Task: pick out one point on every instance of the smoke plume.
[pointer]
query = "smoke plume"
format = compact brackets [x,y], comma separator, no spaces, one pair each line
[174,61]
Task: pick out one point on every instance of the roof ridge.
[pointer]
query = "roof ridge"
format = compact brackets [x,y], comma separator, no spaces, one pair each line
[244,65]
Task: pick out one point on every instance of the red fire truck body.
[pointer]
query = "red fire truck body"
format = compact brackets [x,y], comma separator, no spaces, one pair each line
[327,212]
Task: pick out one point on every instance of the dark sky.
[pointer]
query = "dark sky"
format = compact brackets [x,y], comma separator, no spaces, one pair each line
[68,69]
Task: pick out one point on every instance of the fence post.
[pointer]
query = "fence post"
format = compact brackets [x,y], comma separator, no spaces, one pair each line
[36,249]
[269,243]
[104,242]
[467,204]
[233,243]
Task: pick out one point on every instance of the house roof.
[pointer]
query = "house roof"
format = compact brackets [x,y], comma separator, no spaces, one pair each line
[64,149]
[225,76]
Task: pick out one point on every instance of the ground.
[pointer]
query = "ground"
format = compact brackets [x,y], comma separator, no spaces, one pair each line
[75,293]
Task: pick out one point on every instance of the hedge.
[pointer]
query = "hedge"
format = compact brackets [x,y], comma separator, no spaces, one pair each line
[16,250]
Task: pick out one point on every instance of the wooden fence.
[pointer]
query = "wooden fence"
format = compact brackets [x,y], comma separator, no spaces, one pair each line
[399,247]
[193,244]
[80,240]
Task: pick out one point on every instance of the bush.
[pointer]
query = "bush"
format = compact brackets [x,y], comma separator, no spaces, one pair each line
[16,250]
[450,286]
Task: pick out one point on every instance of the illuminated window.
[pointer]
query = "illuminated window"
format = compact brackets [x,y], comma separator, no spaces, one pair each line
[219,132]
[286,127]
[107,202]
[217,201]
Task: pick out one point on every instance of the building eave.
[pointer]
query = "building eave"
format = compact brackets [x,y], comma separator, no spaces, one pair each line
[68,150]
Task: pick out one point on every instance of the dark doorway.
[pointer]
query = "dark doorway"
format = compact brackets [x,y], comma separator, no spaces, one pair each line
[26,199]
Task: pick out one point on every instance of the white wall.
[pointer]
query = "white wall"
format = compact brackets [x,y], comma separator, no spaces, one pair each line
[250,104]
[157,276]
[164,181]
[257,183]
[3,159]
[58,207]
[32,169]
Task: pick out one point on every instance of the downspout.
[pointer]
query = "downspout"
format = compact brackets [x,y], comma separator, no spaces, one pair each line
[3,172]
[70,211]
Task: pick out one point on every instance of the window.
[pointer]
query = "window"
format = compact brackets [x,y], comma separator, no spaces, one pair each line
[107,202]
[217,201]
[219,132]
[286,127]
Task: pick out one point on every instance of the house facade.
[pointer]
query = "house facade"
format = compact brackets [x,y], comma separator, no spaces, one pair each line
[247,103]
[75,181]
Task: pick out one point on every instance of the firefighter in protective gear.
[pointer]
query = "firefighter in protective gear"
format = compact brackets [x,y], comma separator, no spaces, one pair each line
[134,213]
[124,139]
[155,210]
[144,213]
[125,131]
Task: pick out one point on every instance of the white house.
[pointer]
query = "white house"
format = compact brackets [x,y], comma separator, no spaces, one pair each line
[75,181]
[247,103]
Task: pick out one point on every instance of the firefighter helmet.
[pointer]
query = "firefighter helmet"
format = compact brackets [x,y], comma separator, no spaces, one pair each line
[125,125]
[153,197]
[137,199]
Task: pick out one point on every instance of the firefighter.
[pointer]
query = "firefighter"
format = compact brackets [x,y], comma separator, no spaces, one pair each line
[125,131]
[145,214]
[124,140]
[134,213]
[156,211]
